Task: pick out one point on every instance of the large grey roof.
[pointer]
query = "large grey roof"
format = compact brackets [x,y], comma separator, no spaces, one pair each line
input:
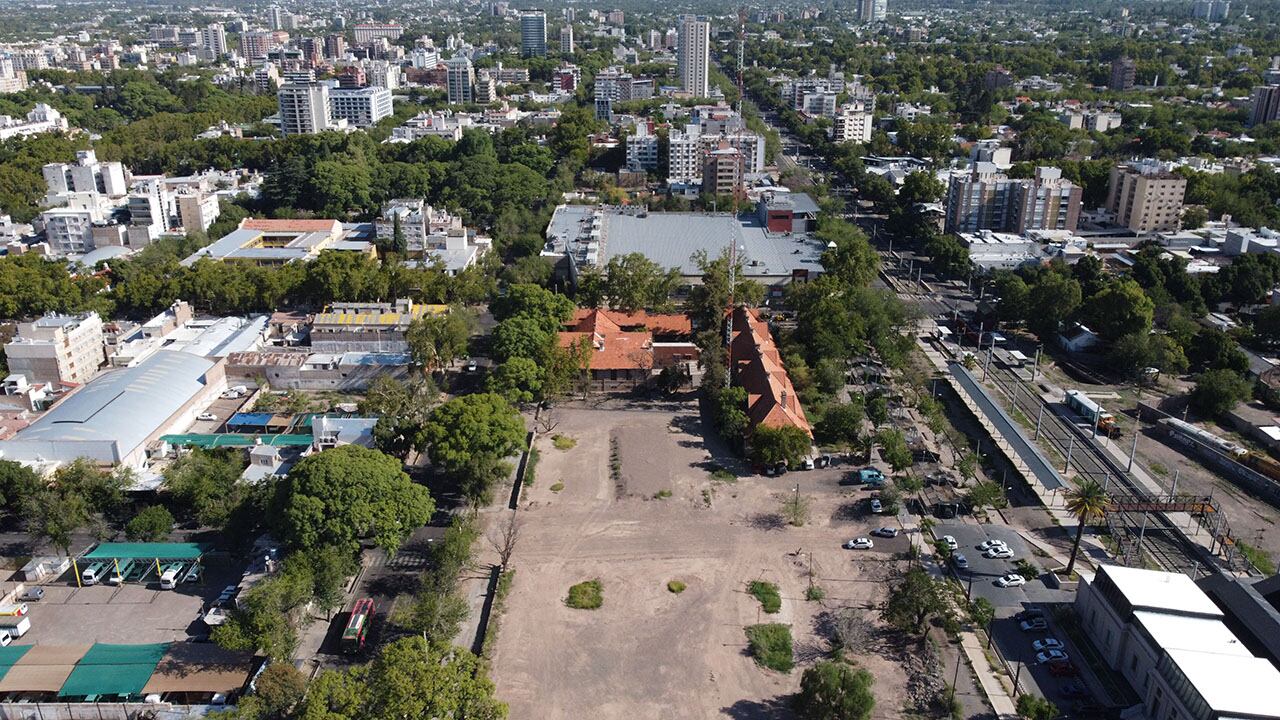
[112,415]
[672,239]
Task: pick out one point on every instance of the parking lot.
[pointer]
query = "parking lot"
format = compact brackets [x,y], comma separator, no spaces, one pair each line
[130,613]
[983,572]
[222,408]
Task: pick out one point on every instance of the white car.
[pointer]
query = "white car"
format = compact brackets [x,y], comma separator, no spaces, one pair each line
[876,507]
[999,553]
[862,543]
[1034,625]
[1047,644]
[950,542]
[207,417]
[1012,580]
[989,544]
[1051,656]
[885,532]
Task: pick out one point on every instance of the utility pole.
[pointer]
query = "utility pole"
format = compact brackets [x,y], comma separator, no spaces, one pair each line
[1134,449]
[1071,445]
[1039,417]
[1035,367]
[728,327]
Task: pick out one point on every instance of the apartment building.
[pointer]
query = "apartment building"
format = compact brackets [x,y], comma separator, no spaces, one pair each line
[566,40]
[461,80]
[1123,74]
[693,54]
[365,33]
[361,107]
[852,123]
[985,199]
[65,349]
[86,175]
[367,327]
[533,33]
[1265,106]
[722,171]
[305,108]
[687,152]
[642,148]
[196,210]
[1146,197]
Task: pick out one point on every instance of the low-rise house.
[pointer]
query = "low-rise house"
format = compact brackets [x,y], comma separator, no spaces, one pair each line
[627,349]
[757,366]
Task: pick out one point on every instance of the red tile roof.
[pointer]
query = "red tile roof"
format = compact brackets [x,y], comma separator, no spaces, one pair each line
[771,398]
[658,324]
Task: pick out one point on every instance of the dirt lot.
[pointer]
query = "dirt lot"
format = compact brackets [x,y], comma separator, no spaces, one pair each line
[648,652]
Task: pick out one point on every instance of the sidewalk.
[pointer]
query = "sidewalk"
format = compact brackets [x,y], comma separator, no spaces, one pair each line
[1001,702]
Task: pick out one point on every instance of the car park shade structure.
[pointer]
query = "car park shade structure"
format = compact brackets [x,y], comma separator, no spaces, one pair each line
[40,668]
[113,670]
[144,551]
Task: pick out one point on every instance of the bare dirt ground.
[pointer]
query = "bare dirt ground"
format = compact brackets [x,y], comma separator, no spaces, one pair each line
[648,652]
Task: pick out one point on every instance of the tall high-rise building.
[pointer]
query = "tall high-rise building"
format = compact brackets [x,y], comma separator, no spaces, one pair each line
[461,80]
[1146,197]
[1124,73]
[1266,105]
[214,39]
[335,46]
[985,199]
[362,107]
[872,11]
[566,40]
[365,33]
[304,108]
[533,33]
[255,44]
[1211,10]
[693,54]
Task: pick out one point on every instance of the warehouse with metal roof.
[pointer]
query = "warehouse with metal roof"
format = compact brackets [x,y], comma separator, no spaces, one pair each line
[113,418]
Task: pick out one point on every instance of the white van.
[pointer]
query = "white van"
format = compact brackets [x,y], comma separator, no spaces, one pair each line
[14,626]
[92,574]
[119,572]
[171,576]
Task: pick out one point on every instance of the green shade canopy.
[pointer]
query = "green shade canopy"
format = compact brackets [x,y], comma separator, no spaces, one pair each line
[113,670]
[217,440]
[146,551]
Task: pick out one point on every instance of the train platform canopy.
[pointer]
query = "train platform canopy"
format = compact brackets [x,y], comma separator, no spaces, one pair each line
[219,440]
[146,551]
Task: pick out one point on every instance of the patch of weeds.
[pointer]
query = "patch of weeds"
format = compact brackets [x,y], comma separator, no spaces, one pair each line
[706,497]
[531,466]
[615,461]
[767,594]
[723,476]
[557,487]
[814,593]
[563,442]
[770,645]
[1158,469]
[1026,569]
[662,494]
[1260,558]
[587,595]
[499,603]
[675,587]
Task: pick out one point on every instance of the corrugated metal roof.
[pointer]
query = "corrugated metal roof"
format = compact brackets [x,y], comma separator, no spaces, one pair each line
[121,407]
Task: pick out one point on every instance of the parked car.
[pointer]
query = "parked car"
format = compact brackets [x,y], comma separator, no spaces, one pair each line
[862,543]
[876,507]
[1030,614]
[1047,644]
[997,553]
[1072,690]
[825,461]
[950,542]
[960,561]
[32,594]
[989,544]
[1050,656]
[471,365]
[885,532]
[807,464]
[1034,625]
[206,416]
[1012,580]
[1062,668]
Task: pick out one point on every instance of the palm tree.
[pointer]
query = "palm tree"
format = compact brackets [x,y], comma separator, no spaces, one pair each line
[1087,501]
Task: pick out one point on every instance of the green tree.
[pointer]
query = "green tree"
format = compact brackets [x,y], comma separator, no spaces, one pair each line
[840,424]
[634,282]
[1034,707]
[17,483]
[278,689]
[772,445]
[987,494]
[408,679]
[338,496]
[913,599]
[1121,309]
[206,485]
[548,309]
[894,449]
[1051,301]
[519,380]
[153,523]
[522,337]
[470,428]
[832,690]
[437,340]
[1087,501]
[1217,392]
